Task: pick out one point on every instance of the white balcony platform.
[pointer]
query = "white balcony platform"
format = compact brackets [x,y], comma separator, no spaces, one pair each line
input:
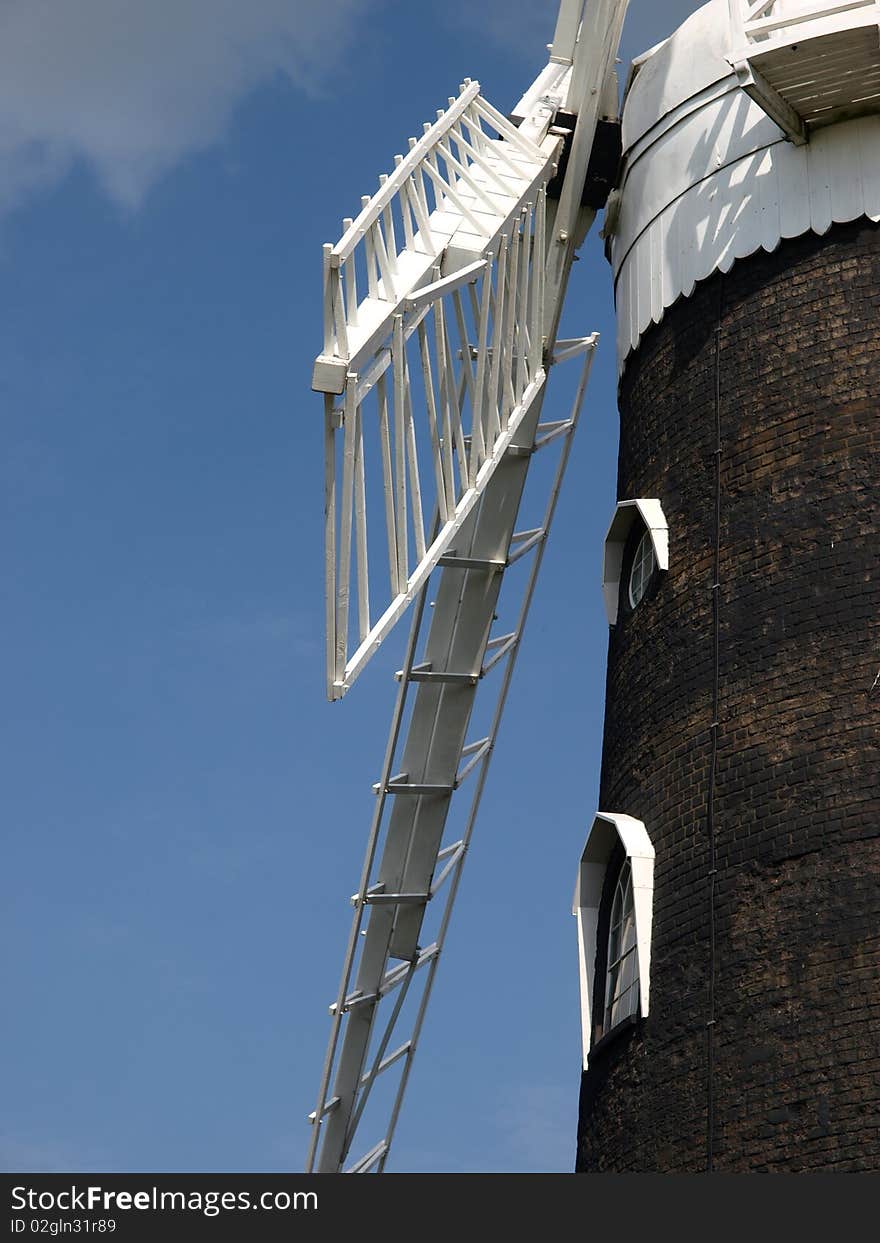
[808,64]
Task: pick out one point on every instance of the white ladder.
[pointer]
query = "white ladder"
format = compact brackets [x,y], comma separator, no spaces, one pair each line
[441,300]
[408,863]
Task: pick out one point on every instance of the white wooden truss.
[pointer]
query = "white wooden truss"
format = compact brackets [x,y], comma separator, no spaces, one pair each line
[808,62]
[433,355]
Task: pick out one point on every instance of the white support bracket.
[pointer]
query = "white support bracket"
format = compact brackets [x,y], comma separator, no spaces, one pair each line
[767,97]
[807,63]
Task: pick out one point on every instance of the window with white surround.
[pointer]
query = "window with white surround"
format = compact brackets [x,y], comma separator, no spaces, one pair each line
[616,868]
[621,959]
[651,553]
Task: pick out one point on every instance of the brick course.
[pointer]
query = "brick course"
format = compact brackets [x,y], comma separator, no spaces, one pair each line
[797,803]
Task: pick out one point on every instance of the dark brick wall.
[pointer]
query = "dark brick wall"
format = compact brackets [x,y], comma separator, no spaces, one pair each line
[796,1075]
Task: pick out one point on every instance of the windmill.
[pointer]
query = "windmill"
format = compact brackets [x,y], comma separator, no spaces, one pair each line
[442,302]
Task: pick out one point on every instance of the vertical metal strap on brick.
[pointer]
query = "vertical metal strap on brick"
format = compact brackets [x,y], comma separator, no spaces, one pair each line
[715,726]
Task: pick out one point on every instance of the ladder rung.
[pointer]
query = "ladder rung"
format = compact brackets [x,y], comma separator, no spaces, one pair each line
[369,1159]
[454,860]
[548,432]
[385,1063]
[398,974]
[399,779]
[500,651]
[470,563]
[372,891]
[424,673]
[476,756]
[353,1000]
[407,787]
[397,899]
[332,1104]
[501,640]
[572,347]
[526,541]
[452,679]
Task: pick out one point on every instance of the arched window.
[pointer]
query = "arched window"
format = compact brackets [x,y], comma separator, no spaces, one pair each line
[643,566]
[641,521]
[622,960]
[613,902]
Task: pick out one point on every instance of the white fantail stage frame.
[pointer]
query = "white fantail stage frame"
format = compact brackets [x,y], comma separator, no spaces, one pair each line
[459,300]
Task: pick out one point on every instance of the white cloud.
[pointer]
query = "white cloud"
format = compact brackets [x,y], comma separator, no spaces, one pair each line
[133,86]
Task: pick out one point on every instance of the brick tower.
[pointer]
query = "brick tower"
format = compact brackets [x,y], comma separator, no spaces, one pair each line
[728,897]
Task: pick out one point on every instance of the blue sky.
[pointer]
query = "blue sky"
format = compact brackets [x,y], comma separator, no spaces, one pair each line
[184,812]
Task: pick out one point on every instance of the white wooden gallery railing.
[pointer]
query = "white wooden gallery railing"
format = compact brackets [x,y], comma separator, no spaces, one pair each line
[433,353]
[808,62]
[765,20]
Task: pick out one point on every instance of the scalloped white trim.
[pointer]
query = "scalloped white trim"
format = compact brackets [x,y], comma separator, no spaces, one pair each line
[721,183]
